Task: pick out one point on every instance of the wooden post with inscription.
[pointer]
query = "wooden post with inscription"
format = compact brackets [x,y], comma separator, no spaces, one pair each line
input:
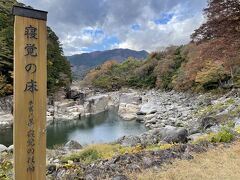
[30,93]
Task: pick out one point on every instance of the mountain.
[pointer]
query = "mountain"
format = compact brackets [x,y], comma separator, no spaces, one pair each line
[99,57]
[81,63]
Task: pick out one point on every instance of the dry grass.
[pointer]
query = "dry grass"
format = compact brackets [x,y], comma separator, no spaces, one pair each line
[217,164]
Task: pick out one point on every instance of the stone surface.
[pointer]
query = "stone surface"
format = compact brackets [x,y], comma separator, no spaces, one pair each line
[6,120]
[194,137]
[72,145]
[174,135]
[3,148]
[148,108]
[129,141]
[208,122]
[11,148]
[97,104]
[128,111]
[130,98]
[237,122]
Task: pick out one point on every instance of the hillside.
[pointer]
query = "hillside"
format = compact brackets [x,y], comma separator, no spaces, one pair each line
[83,62]
[59,71]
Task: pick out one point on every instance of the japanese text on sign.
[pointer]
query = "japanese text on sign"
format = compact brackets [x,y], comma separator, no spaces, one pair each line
[31,86]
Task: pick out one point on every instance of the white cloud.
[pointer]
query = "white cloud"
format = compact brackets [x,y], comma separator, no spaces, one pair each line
[156,36]
[71,19]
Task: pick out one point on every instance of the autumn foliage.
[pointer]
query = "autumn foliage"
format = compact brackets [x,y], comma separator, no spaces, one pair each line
[221,36]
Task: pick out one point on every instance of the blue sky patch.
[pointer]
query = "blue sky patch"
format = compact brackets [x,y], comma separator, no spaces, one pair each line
[105,44]
[164,19]
[93,32]
[135,27]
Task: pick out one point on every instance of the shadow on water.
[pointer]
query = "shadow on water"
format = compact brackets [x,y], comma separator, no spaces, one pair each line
[6,137]
[101,128]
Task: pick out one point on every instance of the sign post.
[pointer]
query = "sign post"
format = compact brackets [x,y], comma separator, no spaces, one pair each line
[30,93]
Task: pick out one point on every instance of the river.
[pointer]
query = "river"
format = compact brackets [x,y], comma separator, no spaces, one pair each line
[101,128]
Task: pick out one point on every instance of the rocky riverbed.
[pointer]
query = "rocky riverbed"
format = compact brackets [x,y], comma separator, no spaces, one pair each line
[174,120]
[169,116]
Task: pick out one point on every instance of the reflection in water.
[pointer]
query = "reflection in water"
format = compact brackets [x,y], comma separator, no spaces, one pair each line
[101,128]
[6,137]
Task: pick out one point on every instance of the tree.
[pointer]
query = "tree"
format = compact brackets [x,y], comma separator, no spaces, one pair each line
[222,34]
[223,20]
[59,69]
[212,75]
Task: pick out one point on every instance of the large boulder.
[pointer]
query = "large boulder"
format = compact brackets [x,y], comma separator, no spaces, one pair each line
[207,122]
[148,108]
[68,113]
[3,148]
[172,134]
[128,111]
[97,104]
[75,94]
[11,148]
[72,145]
[130,98]
[195,136]
[6,120]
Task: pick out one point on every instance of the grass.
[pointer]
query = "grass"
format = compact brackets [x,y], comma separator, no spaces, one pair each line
[224,135]
[220,163]
[106,151]
[98,151]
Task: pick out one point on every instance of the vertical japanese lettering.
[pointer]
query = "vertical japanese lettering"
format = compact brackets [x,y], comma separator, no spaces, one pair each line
[31,86]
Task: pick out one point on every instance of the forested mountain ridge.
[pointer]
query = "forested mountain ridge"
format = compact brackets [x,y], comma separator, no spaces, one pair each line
[99,57]
[59,71]
[81,63]
[210,62]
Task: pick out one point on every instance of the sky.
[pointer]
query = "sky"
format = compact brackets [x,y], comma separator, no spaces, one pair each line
[96,25]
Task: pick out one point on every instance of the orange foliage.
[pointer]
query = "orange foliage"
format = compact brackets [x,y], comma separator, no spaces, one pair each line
[98,71]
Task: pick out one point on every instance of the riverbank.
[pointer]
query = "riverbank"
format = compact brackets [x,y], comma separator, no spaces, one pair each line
[179,124]
[113,161]
[168,116]
[130,104]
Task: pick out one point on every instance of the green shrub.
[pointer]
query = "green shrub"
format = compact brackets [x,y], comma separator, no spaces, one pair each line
[86,156]
[211,75]
[222,136]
